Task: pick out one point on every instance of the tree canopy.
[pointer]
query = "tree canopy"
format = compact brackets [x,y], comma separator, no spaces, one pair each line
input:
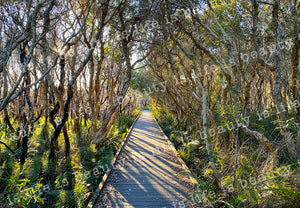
[222,78]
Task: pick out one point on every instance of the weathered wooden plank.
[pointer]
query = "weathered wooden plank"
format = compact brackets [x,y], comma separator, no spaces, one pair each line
[149,177]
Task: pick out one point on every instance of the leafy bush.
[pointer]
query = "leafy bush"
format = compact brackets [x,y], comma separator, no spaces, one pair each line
[75,179]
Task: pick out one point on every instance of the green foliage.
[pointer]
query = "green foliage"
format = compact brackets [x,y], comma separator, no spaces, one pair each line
[6,168]
[22,193]
[74,178]
[254,185]
[165,119]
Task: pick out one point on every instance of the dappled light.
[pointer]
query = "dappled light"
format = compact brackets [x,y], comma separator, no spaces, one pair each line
[149,103]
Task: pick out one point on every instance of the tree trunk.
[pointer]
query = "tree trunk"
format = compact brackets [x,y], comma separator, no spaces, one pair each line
[58,129]
[67,141]
[279,75]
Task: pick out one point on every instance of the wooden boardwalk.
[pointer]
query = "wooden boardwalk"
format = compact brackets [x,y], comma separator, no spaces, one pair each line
[148,173]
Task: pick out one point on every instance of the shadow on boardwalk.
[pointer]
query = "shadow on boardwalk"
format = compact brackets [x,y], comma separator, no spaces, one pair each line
[149,177]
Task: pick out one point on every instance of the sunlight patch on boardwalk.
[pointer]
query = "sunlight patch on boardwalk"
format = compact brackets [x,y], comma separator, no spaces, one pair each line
[149,177]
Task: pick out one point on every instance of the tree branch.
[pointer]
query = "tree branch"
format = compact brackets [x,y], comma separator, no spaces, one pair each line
[1,142]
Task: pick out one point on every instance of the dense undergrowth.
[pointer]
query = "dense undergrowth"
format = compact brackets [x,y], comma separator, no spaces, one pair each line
[251,176]
[73,180]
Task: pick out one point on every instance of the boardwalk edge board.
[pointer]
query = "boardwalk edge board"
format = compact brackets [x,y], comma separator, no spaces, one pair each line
[105,177]
[193,180]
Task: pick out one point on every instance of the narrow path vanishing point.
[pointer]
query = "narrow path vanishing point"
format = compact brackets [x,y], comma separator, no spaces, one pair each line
[149,176]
